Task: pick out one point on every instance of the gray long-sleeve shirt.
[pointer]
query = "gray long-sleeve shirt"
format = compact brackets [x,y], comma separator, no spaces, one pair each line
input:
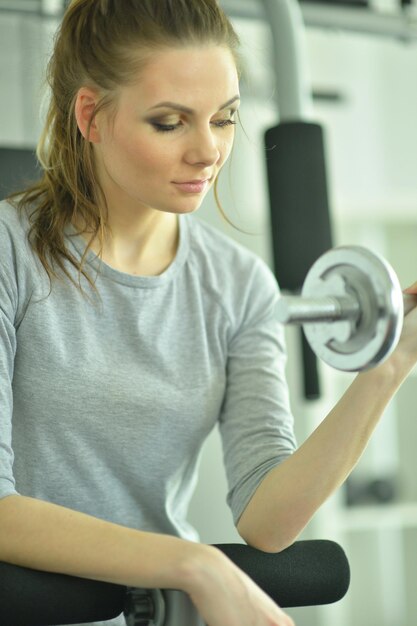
[105,402]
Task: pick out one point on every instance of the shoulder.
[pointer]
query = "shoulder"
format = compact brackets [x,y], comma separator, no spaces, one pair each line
[226,267]
[19,266]
[13,223]
[14,230]
[230,260]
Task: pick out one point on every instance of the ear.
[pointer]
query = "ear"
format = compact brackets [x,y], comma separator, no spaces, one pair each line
[84,108]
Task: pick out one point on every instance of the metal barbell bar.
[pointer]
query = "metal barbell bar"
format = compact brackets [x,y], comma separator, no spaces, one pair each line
[351,308]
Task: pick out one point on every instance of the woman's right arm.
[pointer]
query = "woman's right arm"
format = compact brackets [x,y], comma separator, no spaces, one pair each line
[48,537]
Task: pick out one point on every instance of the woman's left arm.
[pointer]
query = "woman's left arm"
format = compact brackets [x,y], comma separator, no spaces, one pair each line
[291,493]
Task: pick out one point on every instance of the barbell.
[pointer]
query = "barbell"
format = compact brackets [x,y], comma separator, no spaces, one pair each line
[351,308]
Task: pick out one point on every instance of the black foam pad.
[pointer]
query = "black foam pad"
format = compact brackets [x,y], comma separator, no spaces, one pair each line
[299,206]
[32,598]
[305,574]
[300,217]
[18,168]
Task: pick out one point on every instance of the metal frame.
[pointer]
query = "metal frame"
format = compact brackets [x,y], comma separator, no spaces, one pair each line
[290,59]
[289,19]
[402,25]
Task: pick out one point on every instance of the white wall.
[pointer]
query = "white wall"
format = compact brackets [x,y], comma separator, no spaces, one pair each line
[24,45]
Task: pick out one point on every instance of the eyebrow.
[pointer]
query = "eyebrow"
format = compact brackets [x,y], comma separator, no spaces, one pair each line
[180,107]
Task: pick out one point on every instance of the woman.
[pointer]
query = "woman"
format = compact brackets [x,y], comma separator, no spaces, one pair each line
[128,328]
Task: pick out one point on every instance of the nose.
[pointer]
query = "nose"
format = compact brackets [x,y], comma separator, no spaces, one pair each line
[203,147]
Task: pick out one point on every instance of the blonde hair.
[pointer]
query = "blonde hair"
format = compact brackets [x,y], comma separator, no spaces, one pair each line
[102,44]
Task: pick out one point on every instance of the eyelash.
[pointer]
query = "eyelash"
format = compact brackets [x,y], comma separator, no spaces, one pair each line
[167,128]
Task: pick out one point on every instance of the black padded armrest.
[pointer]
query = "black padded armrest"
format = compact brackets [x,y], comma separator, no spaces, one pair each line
[306,573]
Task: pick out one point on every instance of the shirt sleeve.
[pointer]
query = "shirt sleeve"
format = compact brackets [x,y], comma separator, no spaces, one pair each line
[7,352]
[256,424]
[13,264]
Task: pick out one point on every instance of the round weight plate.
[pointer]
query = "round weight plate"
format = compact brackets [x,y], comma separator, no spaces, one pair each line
[362,342]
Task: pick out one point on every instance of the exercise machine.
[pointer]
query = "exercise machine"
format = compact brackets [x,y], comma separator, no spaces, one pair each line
[307,573]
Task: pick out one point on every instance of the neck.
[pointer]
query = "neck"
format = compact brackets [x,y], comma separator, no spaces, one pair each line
[144,246]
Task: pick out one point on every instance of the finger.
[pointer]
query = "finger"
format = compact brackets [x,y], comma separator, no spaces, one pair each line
[411,289]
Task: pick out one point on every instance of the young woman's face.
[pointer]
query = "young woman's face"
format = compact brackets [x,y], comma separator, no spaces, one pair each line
[173,127]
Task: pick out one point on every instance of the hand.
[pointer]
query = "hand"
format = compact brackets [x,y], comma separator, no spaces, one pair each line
[409,326]
[406,351]
[226,596]
[410,298]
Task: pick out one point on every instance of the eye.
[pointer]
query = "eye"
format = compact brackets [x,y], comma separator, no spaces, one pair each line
[225,123]
[165,128]
[168,128]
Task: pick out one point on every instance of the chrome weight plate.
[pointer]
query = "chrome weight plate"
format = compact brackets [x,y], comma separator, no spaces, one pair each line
[368,338]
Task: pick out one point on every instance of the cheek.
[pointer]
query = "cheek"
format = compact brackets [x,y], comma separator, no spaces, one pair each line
[149,156]
[226,149]
[138,156]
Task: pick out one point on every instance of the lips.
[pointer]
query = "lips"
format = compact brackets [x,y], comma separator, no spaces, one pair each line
[193,186]
[194,182]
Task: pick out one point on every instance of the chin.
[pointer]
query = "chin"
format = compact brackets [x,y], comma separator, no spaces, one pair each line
[187,208]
